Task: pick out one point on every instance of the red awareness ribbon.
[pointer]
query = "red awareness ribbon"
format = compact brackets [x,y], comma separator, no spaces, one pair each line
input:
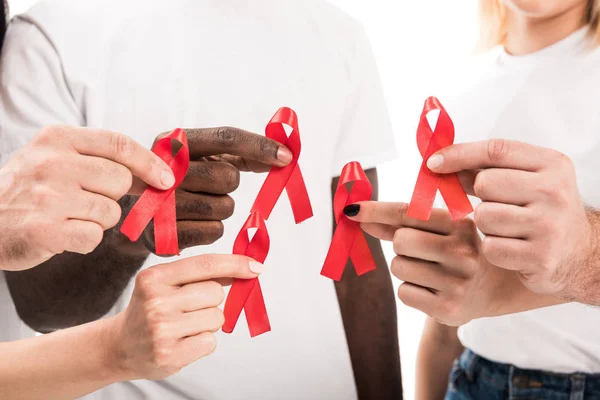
[348,239]
[429,182]
[160,204]
[288,177]
[246,294]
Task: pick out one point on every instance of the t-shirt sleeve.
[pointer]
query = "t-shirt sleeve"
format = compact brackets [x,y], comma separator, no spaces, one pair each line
[367,135]
[34,92]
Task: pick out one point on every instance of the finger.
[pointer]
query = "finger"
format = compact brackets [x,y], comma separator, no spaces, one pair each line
[193,348]
[120,148]
[246,165]
[422,245]
[196,322]
[227,140]
[203,207]
[507,253]
[493,153]
[380,231]
[395,214]
[506,186]
[92,207]
[189,234]
[198,296]
[422,273]
[417,297]
[211,177]
[467,180]
[77,236]
[505,220]
[209,266]
[102,176]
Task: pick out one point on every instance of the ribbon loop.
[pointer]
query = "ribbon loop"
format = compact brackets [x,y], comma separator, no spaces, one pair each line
[246,294]
[348,240]
[429,182]
[160,204]
[288,177]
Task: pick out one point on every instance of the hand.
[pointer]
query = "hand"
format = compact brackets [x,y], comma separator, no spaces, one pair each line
[532,213]
[217,156]
[440,261]
[60,192]
[171,319]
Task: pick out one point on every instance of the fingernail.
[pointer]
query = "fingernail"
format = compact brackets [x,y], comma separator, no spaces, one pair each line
[352,210]
[256,267]
[284,155]
[435,161]
[167,179]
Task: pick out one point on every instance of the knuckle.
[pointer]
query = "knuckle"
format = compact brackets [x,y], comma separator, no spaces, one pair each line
[398,240]
[215,291]
[226,136]
[123,146]
[114,214]
[231,179]
[48,134]
[401,209]
[125,180]
[497,150]
[216,317]
[147,279]
[94,238]
[479,185]
[209,343]
[228,206]
[397,268]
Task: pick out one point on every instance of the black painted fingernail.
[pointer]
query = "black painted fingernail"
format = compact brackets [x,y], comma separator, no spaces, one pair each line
[352,210]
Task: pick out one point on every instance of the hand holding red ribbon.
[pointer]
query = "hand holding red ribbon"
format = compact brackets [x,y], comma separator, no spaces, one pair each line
[288,177]
[428,182]
[160,204]
[348,239]
[247,294]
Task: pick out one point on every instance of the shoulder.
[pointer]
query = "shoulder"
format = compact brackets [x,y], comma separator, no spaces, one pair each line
[76,30]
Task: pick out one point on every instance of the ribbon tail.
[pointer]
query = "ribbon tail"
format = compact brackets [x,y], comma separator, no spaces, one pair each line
[256,312]
[165,228]
[455,197]
[141,214]
[423,197]
[236,301]
[339,251]
[361,255]
[270,192]
[298,195]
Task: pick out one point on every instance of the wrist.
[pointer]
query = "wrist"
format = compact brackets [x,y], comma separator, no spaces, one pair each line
[113,365]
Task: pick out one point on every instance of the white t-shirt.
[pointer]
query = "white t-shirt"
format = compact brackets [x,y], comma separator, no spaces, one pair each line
[549,99]
[141,68]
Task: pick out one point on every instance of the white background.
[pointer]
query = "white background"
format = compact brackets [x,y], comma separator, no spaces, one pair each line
[413,41]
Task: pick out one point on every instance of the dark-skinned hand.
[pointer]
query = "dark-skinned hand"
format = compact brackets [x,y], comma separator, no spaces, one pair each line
[217,155]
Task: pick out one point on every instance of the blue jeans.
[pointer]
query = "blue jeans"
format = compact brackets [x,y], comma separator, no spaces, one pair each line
[474,377]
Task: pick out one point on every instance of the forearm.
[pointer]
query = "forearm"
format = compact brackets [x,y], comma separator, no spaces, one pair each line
[583,280]
[510,296]
[72,289]
[438,349]
[67,364]
[368,308]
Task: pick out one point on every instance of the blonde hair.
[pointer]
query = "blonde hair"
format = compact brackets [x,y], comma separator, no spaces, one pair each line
[492,23]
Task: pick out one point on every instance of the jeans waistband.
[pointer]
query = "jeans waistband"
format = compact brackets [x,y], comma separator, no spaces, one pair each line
[521,381]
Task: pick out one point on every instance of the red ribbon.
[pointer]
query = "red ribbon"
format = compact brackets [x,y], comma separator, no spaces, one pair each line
[429,182]
[288,177]
[246,294]
[160,204]
[348,239]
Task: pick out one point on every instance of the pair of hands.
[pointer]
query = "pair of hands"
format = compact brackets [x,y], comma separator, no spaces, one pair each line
[537,233]
[62,191]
